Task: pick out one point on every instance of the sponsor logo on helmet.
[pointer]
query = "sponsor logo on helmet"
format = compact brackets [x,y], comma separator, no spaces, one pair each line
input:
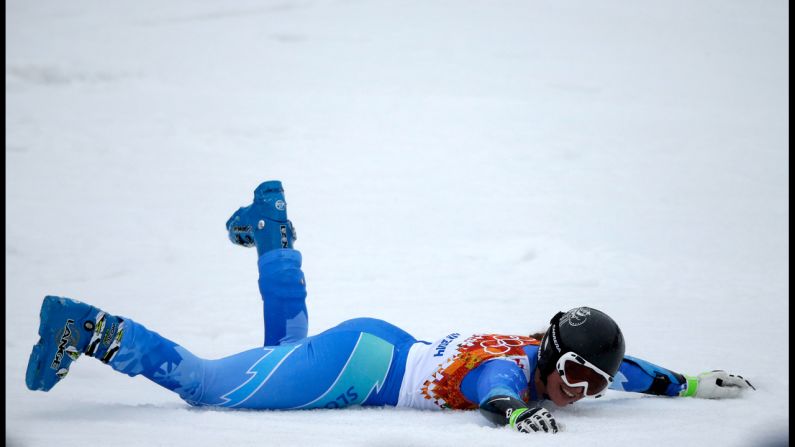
[555,338]
[280,205]
[576,317]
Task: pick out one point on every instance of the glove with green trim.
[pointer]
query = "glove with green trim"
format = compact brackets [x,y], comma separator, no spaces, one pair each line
[716,384]
[529,420]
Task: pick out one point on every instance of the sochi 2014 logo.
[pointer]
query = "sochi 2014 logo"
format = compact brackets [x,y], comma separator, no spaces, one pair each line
[501,344]
[576,317]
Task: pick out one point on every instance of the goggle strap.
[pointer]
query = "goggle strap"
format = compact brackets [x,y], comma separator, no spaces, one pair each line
[556,318]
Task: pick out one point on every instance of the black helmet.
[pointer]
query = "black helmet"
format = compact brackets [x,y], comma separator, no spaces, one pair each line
[588,332]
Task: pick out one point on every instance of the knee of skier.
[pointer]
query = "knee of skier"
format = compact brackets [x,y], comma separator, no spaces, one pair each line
[193,383]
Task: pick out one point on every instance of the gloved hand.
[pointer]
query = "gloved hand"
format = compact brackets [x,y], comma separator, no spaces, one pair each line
[529,420]
[716,384]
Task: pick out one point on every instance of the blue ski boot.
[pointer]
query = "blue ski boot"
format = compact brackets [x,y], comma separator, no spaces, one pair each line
[67,329]
[264,223]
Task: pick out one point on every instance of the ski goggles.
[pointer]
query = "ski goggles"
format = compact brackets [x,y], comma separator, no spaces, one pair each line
[578,372]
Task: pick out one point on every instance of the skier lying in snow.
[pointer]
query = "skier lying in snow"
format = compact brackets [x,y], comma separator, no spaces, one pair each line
[362,361]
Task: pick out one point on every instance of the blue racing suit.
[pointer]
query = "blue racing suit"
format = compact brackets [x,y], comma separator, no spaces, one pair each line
[362,361]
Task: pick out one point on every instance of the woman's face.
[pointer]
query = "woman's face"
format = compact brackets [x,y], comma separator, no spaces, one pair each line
[560,393]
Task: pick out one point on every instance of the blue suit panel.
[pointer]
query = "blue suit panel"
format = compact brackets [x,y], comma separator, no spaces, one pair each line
[340,367]
[501,377]
[641,376]
[360,361]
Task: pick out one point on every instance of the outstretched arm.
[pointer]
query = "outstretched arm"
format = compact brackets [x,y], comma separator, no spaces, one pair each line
[641,376]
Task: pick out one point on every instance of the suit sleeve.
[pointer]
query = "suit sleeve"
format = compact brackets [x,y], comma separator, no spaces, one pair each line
[496,386]
[640,376]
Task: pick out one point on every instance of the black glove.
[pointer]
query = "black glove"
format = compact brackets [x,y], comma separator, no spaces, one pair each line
[528,420]
[507,410]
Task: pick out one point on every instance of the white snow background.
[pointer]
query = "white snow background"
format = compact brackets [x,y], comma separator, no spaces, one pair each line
[469,166]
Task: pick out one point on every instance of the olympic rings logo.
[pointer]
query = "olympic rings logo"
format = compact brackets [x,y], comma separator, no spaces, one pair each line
[501,344]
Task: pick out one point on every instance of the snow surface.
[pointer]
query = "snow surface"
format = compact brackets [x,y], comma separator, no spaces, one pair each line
[474,166]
